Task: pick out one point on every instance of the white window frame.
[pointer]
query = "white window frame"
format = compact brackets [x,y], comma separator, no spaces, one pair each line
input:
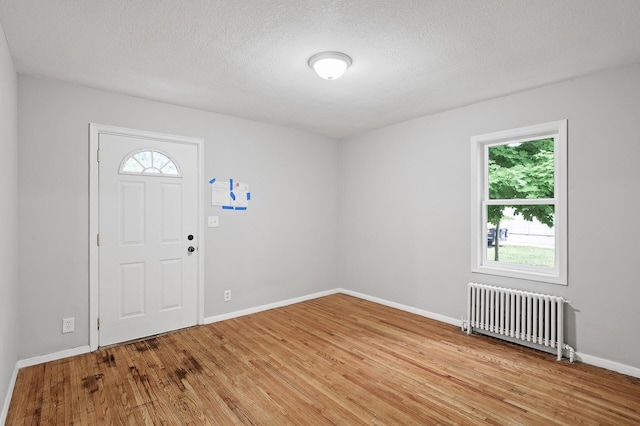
[480,199]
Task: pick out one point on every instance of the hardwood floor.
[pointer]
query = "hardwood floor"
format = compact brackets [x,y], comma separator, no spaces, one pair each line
[334,360]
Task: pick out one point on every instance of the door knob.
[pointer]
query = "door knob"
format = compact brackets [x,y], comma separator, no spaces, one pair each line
[191,249]
[190,237]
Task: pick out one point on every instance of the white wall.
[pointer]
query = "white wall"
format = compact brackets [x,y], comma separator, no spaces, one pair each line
[401,230]
[282,247]
[405,208]
[8,218]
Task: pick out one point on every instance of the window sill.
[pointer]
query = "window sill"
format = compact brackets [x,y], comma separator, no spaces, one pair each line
[551,277]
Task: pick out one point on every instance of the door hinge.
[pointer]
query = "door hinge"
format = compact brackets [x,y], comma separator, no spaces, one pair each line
[98,323]
[98,240]
[98,155]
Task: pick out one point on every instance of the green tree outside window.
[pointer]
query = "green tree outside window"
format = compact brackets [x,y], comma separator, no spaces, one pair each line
[521,171]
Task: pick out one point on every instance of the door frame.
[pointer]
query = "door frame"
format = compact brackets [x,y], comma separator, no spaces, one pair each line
[95,130]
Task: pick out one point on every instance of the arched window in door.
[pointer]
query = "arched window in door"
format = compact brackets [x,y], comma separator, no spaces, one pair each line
[149,163]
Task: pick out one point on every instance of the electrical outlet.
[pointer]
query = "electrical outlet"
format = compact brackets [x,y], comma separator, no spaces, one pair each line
[68,325]
[227,295]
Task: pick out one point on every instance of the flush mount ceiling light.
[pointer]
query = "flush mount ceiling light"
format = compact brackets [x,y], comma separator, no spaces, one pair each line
[330,65]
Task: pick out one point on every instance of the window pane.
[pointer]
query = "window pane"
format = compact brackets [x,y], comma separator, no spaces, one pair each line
[132,166]
[159,160]
[150,163]
[526,235]
[521,170]
[170,169]
[144,158]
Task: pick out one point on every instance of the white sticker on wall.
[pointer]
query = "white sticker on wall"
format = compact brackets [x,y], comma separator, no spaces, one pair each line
[220,194]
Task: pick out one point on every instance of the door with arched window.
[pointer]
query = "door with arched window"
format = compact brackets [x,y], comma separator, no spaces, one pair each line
[147,236]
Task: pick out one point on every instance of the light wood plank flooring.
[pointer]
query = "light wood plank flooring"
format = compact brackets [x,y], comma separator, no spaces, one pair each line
[334,360]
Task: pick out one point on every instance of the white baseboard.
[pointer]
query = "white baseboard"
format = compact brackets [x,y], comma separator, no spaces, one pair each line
[609,365]
[7,400]
[405,308]
[41,359]
[249,311]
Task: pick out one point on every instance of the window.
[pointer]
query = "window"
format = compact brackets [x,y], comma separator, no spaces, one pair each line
[147,162]
[519,203]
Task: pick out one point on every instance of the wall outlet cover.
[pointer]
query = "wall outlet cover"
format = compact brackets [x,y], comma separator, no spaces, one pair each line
[68,325]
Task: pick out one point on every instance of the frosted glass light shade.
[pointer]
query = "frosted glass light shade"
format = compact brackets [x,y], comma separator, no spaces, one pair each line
[330,65]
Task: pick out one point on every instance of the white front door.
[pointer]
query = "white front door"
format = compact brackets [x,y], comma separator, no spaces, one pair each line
[148,263]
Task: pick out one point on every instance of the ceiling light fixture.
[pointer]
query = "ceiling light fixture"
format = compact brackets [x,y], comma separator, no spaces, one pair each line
[330,65]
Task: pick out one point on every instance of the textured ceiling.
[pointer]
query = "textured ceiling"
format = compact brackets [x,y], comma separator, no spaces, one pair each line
[248,58]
